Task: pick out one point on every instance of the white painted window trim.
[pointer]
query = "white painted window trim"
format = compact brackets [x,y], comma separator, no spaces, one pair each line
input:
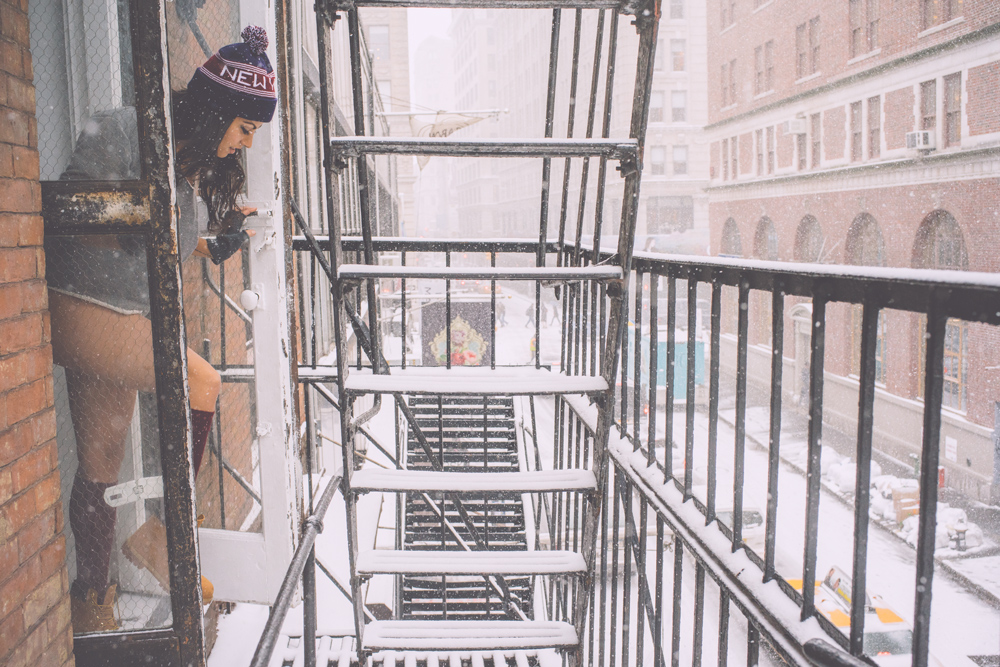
[941,26]
[864,56]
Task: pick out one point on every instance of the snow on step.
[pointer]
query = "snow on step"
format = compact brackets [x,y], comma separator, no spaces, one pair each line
[559,273]
[468,635]
[478,381]
[536,481]
[469,562]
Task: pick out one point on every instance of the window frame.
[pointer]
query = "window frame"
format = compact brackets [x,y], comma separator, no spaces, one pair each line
[952,110]
[874,127]
[683,170]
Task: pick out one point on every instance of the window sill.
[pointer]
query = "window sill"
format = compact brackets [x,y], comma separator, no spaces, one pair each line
[941,26]
[864,56]
[766,93]
[728,108]
[727,28]
[761,6]
[809,77]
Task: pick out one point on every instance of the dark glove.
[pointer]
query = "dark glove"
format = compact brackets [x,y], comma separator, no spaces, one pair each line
[226,244]
[233,221]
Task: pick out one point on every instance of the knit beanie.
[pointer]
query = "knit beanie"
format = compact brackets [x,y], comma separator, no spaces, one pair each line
[238,80]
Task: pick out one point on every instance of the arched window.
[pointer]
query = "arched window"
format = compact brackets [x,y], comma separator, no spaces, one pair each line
[809,241]
[731,244]
[940,244]
[865,246]
[765,240]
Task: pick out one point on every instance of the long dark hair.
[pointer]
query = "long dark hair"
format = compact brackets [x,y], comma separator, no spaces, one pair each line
[220,180]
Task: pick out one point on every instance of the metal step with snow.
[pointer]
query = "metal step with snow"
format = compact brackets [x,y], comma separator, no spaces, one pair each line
[467,635]
[456,381]
[469,563]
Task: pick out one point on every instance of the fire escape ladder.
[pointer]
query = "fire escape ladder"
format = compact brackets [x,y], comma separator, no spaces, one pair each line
[467,569]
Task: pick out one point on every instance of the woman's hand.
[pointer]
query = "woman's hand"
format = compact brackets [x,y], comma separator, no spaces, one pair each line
[227,243]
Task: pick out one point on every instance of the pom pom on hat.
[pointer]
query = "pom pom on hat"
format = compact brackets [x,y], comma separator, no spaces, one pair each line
[255,37]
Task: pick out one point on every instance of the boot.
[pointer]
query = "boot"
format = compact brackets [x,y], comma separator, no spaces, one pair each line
[89,615]
[147,548]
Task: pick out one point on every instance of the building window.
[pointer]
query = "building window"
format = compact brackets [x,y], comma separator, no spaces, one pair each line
[800,148]
[656,106]
[856,132]
[758,70]
[657,160]
[680,159]
[953,109]
[874,127]
[732,81]
[734,158]
[864,17]
[378,42]
[678,106]
[808,240]
[770,149]
[658,58]
[385,94]
[816,135]
[676,9]
[814,45]
[724,80]
[677,47]
[763,58]
[940,244]
[666,215]
[732,246]
[928,105]
[801,50]
[725,159]
[936,12]
[759,136]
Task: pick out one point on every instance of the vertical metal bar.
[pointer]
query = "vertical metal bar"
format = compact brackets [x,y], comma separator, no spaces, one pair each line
[658,625]
[817,345]
[570,123]
[602,549]
[668,400]
[641,584]
[222,317]
[364,187]
[313,277]
[723,627]
[538,330]
[654,372]
[447,312]
[713,400]
[309,609]
[774,445]
[624,358]
[402,313]
[637,361]
[933,389]
[615,546]
[602,168]
[493,314]
[591,115]
[862,487]
[739,449]
[692,323]
[699,613]
[675,636]
[550,111]
[625,489]
[753,644]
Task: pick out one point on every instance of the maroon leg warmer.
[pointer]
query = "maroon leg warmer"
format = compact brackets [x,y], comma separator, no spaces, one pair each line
[201,426]
[93,523]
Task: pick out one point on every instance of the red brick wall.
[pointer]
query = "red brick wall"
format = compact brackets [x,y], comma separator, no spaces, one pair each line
[898,117]
[984,99]
[34,591]
[834,133]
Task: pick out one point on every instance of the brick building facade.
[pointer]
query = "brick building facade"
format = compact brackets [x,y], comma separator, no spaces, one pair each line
[810,112]
[34,590]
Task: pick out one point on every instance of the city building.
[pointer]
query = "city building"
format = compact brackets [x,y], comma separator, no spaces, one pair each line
[843,132]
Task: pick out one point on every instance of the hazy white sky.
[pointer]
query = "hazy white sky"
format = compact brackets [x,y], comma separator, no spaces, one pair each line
[424,23]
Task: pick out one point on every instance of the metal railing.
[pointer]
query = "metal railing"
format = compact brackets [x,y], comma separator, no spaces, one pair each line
[668,535]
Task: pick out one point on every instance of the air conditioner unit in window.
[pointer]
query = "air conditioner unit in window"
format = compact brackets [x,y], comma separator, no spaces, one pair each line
[920,140]
[794,126]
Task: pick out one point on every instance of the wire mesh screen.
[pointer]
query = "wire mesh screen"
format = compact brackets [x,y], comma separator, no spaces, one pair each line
[82,62]
[107,432]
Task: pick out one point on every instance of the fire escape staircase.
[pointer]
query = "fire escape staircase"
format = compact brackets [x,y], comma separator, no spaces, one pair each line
[465,568]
